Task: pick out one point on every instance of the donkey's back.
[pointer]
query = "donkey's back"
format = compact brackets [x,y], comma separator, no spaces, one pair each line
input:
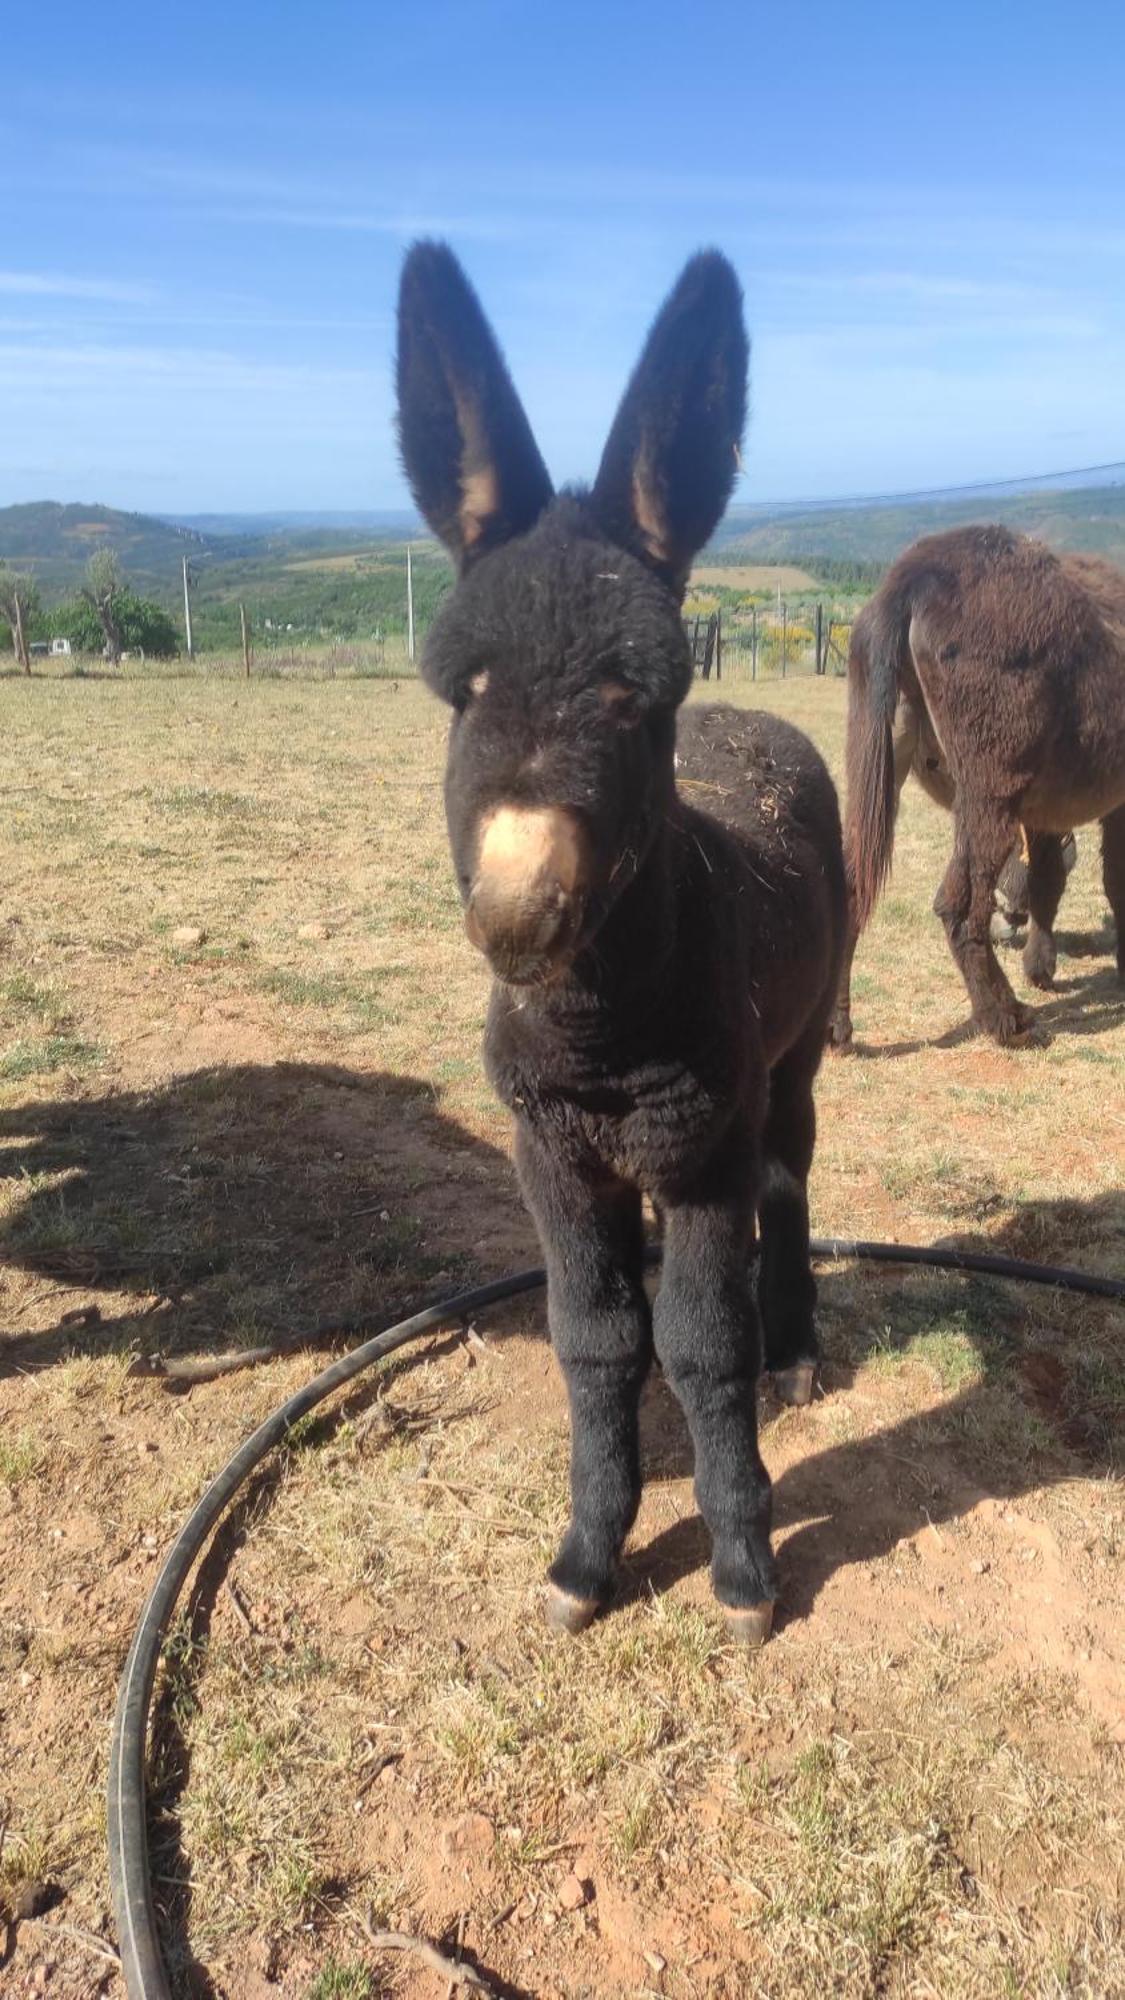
[764,792]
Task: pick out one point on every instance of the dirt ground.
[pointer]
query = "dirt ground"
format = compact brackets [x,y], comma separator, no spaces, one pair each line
[240,1092]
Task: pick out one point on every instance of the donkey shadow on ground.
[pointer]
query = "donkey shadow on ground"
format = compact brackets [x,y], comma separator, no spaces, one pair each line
[1083,1002]
[246,1204]
[1046,1401]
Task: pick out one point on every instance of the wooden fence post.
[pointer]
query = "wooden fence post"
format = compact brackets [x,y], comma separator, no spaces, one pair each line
[719,644]
[819,638]
[21,641]
[245,640]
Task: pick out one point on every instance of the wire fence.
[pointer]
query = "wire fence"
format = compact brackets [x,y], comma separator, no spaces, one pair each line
[759,644]
[748,644]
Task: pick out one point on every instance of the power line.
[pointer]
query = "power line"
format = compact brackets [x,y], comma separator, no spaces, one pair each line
[1027,482]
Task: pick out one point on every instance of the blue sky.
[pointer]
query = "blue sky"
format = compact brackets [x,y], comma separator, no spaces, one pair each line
[204,212]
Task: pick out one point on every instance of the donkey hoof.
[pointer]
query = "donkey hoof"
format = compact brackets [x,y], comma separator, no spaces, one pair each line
[795,1385]
[1039,969]
[1027,1035]
[750,1625]
[570,1614]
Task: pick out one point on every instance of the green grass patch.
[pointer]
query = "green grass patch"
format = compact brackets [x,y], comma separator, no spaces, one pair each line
[358,998]
[204,801]
[19,1455]
[340,1981]
[48,1054]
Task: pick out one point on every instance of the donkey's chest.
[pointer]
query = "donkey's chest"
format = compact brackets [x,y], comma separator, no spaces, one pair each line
[652,1122]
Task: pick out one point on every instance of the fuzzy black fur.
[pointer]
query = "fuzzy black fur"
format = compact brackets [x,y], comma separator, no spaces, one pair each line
[665,1040]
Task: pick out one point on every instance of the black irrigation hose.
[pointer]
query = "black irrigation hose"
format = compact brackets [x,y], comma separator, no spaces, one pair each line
[1061,1276]
[142,1964]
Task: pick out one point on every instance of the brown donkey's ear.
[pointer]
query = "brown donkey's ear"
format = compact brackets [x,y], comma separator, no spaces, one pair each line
[473,465]
[670,462]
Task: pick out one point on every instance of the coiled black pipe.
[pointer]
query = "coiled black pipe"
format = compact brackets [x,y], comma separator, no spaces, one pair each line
[142,1963]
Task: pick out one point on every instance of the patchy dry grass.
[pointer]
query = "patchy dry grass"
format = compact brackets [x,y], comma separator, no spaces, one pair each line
[915,1790]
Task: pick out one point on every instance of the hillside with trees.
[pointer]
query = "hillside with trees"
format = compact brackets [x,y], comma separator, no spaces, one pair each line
[313,579]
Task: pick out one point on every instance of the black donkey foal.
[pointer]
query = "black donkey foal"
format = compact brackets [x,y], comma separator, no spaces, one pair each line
[663,979]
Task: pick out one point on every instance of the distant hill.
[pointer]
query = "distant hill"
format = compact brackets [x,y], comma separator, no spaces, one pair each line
[57,541]
[1087,517]
[384,526]
[343,576]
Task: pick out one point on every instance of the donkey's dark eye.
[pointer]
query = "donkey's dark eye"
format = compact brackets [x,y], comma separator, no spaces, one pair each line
[471,690]
[622,701]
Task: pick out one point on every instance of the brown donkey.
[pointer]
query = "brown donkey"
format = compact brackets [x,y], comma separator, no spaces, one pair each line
[996,670]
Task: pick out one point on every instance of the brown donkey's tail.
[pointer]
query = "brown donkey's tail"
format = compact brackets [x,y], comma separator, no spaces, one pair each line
[878,653]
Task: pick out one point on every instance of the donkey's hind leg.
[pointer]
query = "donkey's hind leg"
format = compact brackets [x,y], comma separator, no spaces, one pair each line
[1046,880]
[1113,876]
[984,835]
[786,1287]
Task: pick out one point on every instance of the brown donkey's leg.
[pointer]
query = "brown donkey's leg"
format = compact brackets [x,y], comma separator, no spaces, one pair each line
[1046,880]
[904,745]
[840,1029]
[1113,875]
[964,903]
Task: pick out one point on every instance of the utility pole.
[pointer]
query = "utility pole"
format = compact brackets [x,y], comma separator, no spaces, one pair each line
[409,606]
[187,613]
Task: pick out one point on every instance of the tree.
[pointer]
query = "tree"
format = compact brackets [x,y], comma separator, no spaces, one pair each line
[143,627]
[75,619]
[146,627]
[102,589]
[19,604]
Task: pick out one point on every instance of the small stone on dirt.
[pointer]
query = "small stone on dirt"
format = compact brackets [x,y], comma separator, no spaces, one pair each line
[314,933]
[573,1892]
[979,1567]
[655,1963]
[187,936]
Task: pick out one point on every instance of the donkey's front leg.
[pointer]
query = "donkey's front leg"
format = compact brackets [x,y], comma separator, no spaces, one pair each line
[708,1342]
[601,1331]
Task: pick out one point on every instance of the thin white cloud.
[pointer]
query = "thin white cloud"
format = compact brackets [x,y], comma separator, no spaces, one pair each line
[31,365]
[62,285]
[370,222]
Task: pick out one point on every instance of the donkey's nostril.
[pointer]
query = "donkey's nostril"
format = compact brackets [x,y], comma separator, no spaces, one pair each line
[521,936]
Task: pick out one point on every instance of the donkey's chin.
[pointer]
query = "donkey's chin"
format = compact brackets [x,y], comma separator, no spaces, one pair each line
[544,969]
[535,954]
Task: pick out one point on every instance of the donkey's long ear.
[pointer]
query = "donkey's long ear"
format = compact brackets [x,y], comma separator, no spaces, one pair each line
[670,462]
[467,447]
